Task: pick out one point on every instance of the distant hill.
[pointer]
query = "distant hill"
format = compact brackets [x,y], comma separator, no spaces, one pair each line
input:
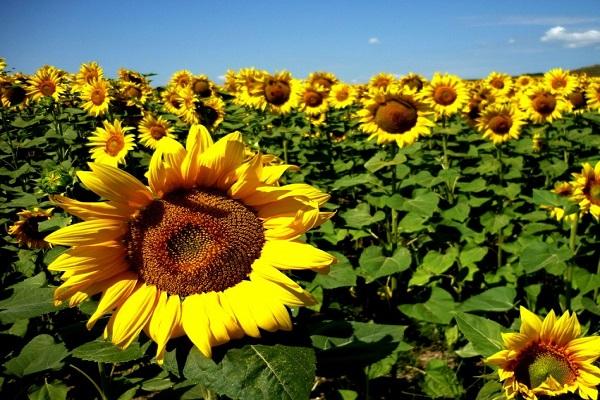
[590,70]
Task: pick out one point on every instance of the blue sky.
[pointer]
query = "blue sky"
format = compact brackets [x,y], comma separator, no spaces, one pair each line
[354,40]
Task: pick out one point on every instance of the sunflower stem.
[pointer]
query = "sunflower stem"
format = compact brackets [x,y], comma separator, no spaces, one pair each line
[100,392]
[285,149]
[570,267]
[501,169]
[445,162]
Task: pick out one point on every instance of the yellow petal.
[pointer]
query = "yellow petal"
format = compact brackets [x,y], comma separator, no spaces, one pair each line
[285,254]
[531,324]
[219,159]
[129,319]
[92,210]
[280,292]
[198,141]
[235,302]
[88,232]
[264,195]
[195,323]
[245,178]
[83,258]
[164,172]
[114,296]
[271,174]
[160,327]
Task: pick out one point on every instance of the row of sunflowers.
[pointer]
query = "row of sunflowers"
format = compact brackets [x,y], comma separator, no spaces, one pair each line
[409,225]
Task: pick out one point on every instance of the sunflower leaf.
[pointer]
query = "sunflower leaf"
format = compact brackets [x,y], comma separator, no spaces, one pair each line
[40,354]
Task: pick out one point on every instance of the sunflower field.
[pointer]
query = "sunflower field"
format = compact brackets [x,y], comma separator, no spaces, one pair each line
[280,238]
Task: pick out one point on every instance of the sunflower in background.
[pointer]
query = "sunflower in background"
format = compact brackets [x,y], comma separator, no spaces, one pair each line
[381,81]
[13,91]
[578,99]
[446,94]
[548,358]
[181,79]
[500,123]
[592,95]
[26,231]
[2,65]
[211,112]
[500,84]
[395,115]
[413,81]
[198,253]
[46,82]
[313,100]
[153,129]
[542,106]
[230,84]
[322,81]
[202,86]
[342,95]
[560,82]
[523,82]
[109,145]
[171,100]
[586,189]
[248,80]
[88,73]
[133,94]
[277,93]
[563,189]
[96,97]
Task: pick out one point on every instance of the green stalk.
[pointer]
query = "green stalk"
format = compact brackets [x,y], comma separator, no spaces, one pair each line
[597,274]
[100,392]
[499,158]
[445,162]
[570,267]
[285,149]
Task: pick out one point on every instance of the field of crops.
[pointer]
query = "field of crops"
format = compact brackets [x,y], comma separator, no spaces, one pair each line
[280,238]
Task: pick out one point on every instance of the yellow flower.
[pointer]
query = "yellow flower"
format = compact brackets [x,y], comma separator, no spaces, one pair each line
[13,92]
[321,80]
[395,115]
[25,230]
[593,95]
[96,97]
[134,94]
[248,80]
[586,189]
[342,95]
[499,83]
[313,100]
[198,253]
[277,93]
[110,145]
[563,189]
[413,81]
[541,105]
[171,100]
[88,73]
[524,81]
[181,79]
[153,130]
[560,82]
[202,86]
[46,82]
[500,123]
[446,94]
[2,64]
[381,81]
[548,358]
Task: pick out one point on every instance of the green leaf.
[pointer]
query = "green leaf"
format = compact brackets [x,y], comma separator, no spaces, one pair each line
[423,204]
[492,390]
[55,222]
[472,256]
[495,299]
[373,264]
[439,309]
[482,333]
[541,255]
[378,161]
[40,354]
[341,275]
[434,263]
[256,372]
[360,216]
[55,390]
[104,351]
[441,381]
[412,222]
[30,298]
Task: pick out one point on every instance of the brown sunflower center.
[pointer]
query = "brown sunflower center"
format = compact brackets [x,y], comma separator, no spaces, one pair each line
[97,96]
[500,124]
[326,83]
[157,132]
[342,94]
[201,87]
[497,83]
[414,83]
[114,144]
[559,82]
[396,116]
[444,95]
[133,92]
[47,88]
[577,99]
[277,92]
[594,193]
[15,95]
[524,81]
[194,241]
[544,103]
[313,98]
[30,227]
[540,361]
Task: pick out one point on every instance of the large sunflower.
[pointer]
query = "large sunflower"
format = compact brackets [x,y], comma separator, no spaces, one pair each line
[446,94]
[548,358]
[500,84]
[395,115]
[96,97]
[153,129]
[500,123]
[110,144]
[46,82]
[26,231]
[586,189]
[198,253]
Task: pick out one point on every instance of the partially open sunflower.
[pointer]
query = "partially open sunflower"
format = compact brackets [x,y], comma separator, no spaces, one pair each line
[198,252]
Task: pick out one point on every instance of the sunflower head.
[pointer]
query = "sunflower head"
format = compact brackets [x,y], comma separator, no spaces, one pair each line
[499,83]
[202,86]
[541,105]
[153,129]
[593,95]
[413,82]
[381,81]
[548,358]
[321,80]
[46,82]
[560,81]
[342,95]
[96,97]
[26,231]
[181,79]
[586,189]
[446,94]
[109,144]
[88,72]
[500,123]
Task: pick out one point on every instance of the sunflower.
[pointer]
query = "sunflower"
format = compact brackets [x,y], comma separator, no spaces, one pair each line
[500,123]
[88,72]
[500,84]
[198,253]
[25,230]
[413,81]
[230,84]
[13,92]
[127,75]
[134,94]
[248,80]
[153,129]
[277,93]
[381,81]
[560,82]
[342,95]
[202,86]
[586,189]
[181,79]
[313,100]
[446,94]
[524,81]
[46,82]
[548,358]
[96,97]
[171,100]
[578,100]
[593,95]
[187,105]
[563,189]
[322,81]
[395,115]
[110,144]
[2,64]
[541,105]
[211,112]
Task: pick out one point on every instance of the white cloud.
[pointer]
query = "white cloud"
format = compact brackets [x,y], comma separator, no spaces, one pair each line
[571,39]
[511,41]
[221,77]
[374,40]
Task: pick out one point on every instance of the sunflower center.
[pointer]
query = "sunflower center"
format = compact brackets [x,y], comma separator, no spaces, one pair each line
[558,83]
[524,81]
[97,96]
[497,83]
[201,87]
[326,83]
[157,132]
[208,115]
[500,124]
[30,228]
[546,365]
[133,92]
[414,83]
[396,116]
[15,95]
[194,241]
[277,92]
[444,95]
[595,193]
[577,99]
[313,98]
[114,144]
[544,103]
[47,88]
[342,94]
